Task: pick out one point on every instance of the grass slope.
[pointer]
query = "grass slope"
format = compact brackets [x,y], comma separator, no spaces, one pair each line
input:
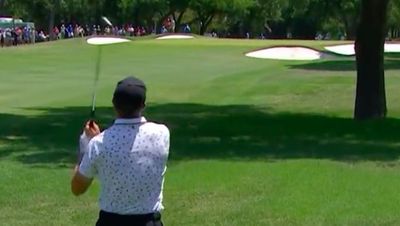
[254,142]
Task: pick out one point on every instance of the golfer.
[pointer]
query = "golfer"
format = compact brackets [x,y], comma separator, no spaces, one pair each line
[129,159]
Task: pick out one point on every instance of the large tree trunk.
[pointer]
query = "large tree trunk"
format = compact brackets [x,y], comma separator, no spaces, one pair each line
[205,23]
[52,22]
[52,15]
[370,95]
[350,27]
[178,21]
[203,28]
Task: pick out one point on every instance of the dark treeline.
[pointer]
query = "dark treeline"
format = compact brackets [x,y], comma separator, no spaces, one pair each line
[302,19]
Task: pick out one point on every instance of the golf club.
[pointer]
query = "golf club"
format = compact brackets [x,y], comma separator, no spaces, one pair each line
[108,22]
[99,41]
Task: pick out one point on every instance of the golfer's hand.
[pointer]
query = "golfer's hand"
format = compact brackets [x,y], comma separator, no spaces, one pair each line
[91,129]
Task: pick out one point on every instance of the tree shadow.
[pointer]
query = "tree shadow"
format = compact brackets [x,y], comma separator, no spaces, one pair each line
[392,63]
[236,132]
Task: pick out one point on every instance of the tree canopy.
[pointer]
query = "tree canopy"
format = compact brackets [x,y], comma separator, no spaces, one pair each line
[274,18]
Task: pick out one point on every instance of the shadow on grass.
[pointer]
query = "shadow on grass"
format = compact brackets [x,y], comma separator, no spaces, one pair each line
[210,132]
[343,65]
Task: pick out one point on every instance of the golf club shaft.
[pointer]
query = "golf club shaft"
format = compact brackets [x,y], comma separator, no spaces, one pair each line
[96,79]
[92,112]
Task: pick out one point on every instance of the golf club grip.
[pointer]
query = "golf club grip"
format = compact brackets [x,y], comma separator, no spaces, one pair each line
[91,123]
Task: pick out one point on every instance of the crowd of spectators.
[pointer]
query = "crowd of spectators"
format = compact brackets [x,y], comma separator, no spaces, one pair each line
[71,31]
[169,26]
[18,36]
[26,35]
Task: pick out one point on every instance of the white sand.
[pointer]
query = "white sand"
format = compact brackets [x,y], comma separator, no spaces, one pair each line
[348,50]
[286,53]
[105,40]
[175,37]
[392,48]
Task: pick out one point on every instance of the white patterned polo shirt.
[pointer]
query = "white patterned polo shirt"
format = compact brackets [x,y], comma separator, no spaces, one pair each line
[129,159]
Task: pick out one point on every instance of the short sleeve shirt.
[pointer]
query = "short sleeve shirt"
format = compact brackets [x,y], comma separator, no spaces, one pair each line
[129,159]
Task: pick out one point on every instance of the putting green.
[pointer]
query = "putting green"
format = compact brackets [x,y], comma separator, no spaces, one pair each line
[253,142]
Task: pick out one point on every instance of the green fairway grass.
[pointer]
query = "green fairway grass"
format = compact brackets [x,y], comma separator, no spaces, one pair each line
[253,142]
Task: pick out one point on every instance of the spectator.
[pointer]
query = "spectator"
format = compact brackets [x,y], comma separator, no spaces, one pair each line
[328,36]
[172,24]
[70,31]
[63,31]
[98,29]
[115,30]
[2,37]
[121,31]
[187,29]
[76,30]
[163,29]
[167,24]
[107,30]
[33,35]
[87,30]
[20,32]
[81,32]
[14,37]
[214,34]
[131,30]
[56,32]
[42,36]
[25,35]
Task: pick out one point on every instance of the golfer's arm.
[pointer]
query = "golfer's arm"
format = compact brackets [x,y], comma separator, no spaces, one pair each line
[79,183]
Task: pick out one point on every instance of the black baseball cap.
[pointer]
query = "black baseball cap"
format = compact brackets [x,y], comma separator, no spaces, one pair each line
[130,91]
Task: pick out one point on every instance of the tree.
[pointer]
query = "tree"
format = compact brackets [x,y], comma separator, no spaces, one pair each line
[2,7]
[370,94]
[177,8]
[302,18]
[394,18]
[345,13]
[142,12]
[15,8]
[206,10]
[239,17]
[127,8]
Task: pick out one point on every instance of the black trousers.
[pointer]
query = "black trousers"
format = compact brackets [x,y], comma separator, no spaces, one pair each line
[112,219]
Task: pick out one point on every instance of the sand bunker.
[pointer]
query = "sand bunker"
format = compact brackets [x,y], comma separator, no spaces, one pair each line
[392,48]
[348,50]
[286,53]
[175,37]
[105,40]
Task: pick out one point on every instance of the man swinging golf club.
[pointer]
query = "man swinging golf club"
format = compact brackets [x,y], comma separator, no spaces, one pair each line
[129,159]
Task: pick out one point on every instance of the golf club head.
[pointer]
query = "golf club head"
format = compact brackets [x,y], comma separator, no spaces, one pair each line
[107,21]
[98,41]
